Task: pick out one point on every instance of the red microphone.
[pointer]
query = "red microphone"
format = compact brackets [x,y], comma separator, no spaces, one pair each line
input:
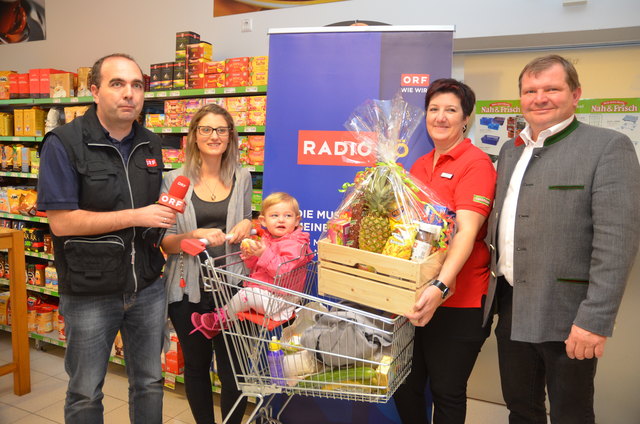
[175,198]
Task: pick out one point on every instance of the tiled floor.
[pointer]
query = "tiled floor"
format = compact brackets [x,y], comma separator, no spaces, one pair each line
[44,405]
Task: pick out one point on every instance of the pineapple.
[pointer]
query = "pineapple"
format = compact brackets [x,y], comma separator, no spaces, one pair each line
[357,208]
[378,197]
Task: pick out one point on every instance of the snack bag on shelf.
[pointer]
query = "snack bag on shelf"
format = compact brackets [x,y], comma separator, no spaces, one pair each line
[385,204]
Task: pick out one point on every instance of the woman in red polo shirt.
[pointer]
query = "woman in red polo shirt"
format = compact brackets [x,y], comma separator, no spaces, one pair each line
[448,315]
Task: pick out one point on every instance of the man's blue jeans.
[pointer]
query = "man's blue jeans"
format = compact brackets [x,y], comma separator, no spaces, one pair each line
[91,325]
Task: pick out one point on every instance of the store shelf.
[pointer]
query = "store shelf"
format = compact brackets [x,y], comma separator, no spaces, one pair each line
[251,168]
[184,130]
[18,174]
[48,101]
[16,102]
[40,255]
[255,89]
[22,139]
[63,100]
[24,218]
[40,289]
[173,165]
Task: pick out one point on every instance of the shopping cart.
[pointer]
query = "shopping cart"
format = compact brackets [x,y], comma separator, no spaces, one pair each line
[331,349]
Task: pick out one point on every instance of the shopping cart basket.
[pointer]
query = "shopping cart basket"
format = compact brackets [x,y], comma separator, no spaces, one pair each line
[331,349]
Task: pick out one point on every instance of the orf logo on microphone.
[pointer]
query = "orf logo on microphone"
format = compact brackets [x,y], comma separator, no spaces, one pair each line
[172,202]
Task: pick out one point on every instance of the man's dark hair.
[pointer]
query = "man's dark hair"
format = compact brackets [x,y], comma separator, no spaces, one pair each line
[95,76]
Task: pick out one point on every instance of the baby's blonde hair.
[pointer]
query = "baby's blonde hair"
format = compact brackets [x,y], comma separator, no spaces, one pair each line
[279,197]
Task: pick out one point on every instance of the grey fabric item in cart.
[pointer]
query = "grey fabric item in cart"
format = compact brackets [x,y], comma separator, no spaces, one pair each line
[346,338]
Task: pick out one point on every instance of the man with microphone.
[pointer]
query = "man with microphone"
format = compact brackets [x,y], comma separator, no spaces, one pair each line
[100,179]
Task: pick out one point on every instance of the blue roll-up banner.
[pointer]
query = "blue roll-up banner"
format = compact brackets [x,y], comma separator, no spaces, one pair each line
[317,77]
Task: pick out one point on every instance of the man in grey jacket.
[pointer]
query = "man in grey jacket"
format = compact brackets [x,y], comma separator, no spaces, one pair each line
[563,235]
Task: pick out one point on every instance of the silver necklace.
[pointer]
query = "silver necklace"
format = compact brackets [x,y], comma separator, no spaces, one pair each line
[213,195]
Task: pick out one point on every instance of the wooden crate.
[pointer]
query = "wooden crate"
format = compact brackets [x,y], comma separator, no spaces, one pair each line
[394,287]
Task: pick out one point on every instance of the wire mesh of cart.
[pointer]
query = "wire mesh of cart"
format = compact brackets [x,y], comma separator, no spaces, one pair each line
[330,348]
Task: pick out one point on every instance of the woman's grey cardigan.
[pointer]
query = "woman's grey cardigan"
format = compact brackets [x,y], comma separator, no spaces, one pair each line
[239,209]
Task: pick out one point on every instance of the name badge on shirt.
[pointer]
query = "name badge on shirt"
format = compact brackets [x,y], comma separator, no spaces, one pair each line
[151,163]
[446,175]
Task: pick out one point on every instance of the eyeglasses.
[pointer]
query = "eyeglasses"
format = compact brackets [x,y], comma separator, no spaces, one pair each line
[207,131]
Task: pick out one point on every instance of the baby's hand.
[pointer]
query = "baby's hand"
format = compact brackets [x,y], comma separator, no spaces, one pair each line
[251,248]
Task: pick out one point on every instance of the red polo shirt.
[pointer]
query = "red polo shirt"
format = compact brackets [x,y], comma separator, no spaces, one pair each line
[464,179]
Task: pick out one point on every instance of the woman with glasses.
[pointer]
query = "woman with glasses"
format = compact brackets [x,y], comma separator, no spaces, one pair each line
[218,206]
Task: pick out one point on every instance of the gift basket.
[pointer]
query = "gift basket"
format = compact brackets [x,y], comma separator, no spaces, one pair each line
[389,236]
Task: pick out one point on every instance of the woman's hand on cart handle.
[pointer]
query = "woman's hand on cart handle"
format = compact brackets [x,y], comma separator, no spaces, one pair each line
[240,231]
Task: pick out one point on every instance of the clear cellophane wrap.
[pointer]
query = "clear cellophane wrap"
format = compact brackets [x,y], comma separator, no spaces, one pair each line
[382,209]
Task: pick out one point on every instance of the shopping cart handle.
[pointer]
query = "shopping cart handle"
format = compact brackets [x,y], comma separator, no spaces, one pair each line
[194,247]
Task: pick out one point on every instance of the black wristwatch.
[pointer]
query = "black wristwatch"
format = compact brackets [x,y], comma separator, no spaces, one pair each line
[442,286]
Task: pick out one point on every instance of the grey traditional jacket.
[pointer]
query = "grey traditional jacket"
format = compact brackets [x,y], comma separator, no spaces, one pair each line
[239,209]
[576,232]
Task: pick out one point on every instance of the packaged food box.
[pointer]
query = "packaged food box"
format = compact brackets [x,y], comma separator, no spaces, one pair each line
[179,75]
[258,78]
[259,64]
[172,155]
[84,85]
[191,106]
[4,84]
[220,101]
[239,118]
[201,50]
[154,120]
[174,106]
[34,83]
[62,85]
[257,103]
[33,122]
[197,67]
[237,104]
[217,67]
[156,74]
[237,64]
[183,39]
[255,142]
[18,122]
[195,82]
[237,79]
[6,124]
[23,86]
[256,157]
[214,80]
[174,120]
[256,117]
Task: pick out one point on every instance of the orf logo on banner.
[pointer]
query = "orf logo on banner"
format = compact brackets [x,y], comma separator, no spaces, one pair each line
[415,80]
[338,148]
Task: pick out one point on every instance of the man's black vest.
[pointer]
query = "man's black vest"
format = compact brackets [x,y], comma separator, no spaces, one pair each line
[122,261]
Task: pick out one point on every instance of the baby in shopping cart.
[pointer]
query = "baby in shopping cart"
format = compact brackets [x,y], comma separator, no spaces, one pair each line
[283,249]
